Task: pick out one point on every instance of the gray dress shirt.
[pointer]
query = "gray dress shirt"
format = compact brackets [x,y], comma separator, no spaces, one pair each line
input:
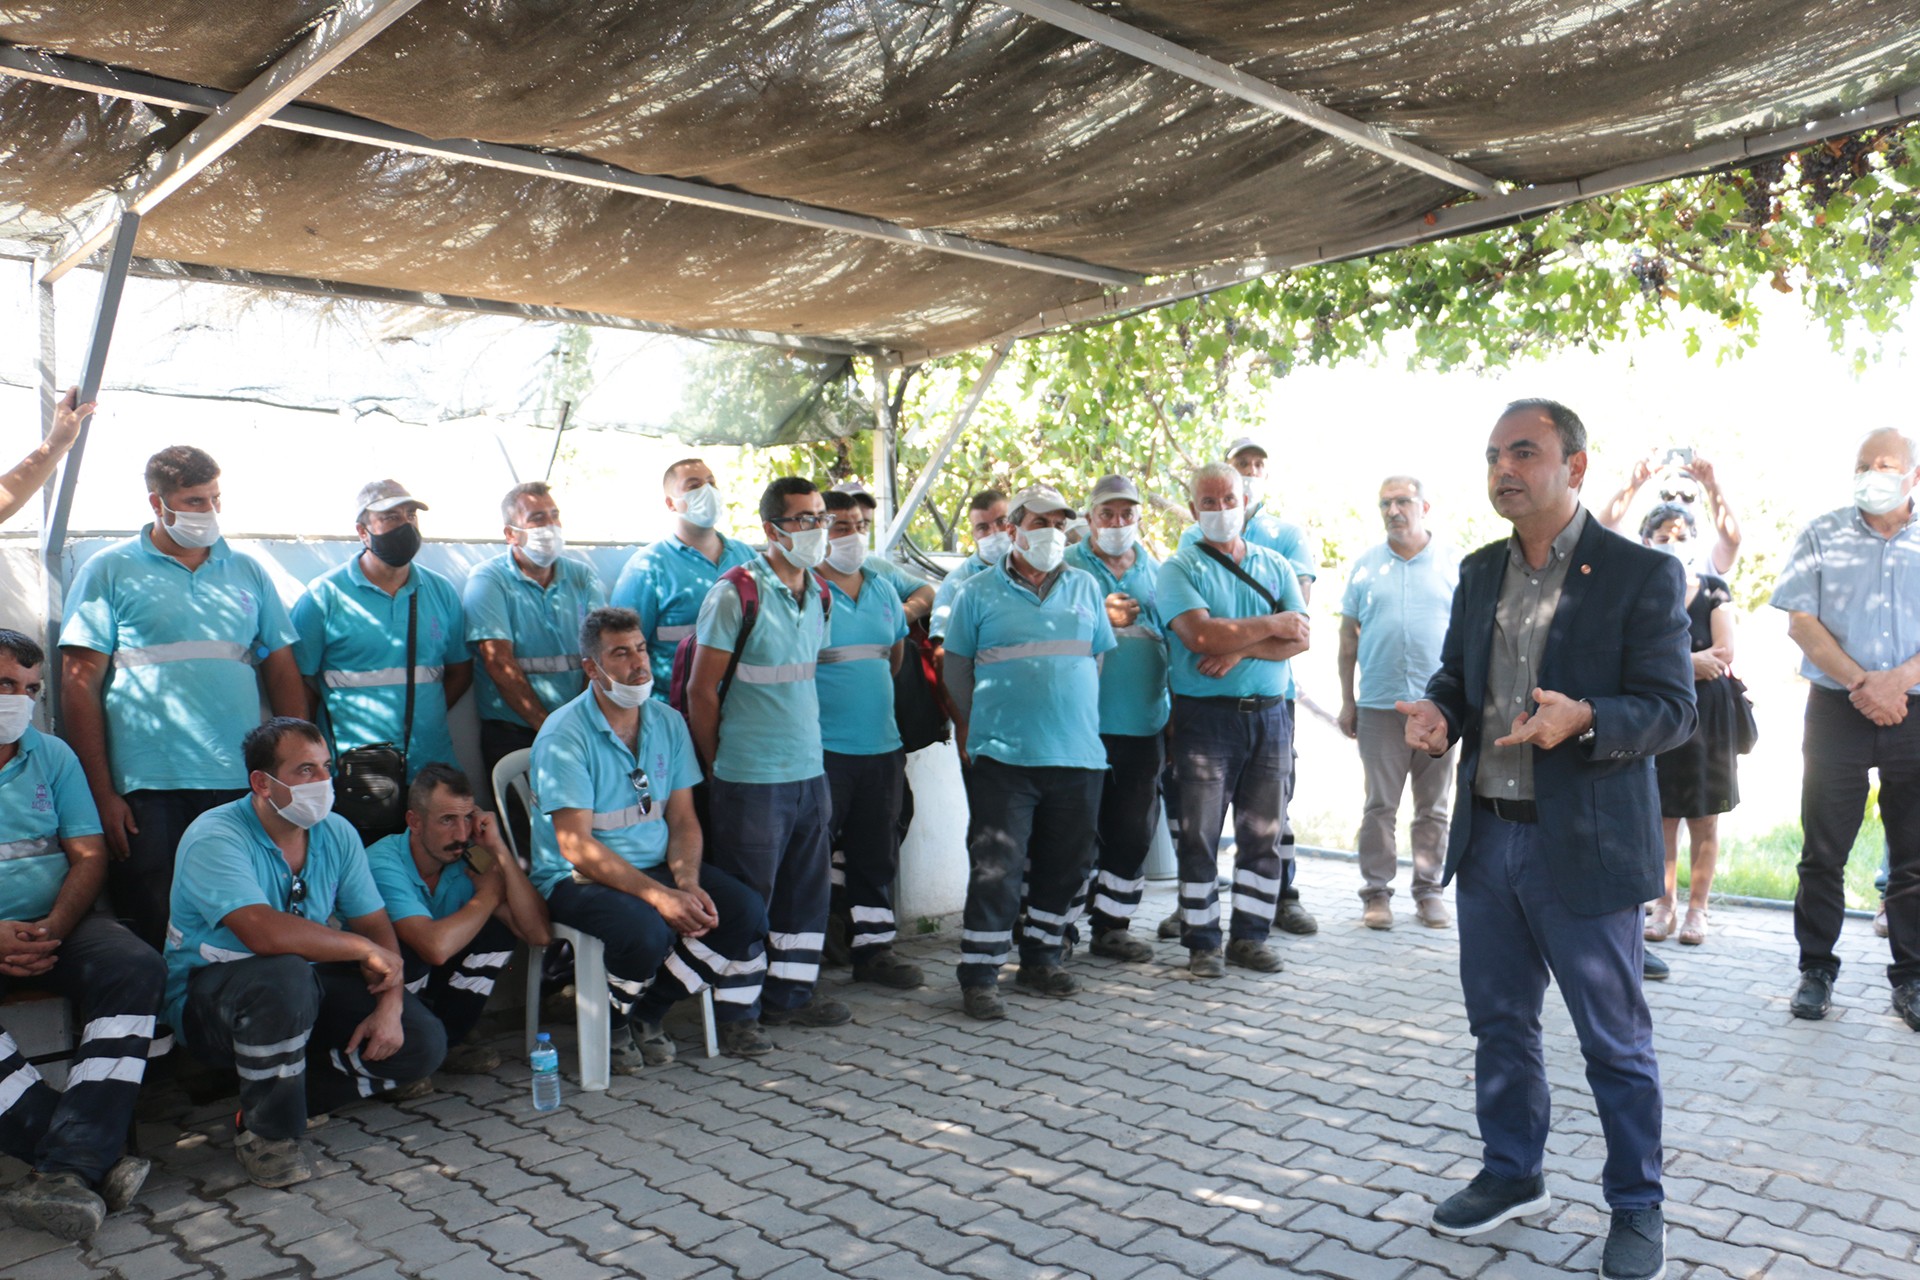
[1528,597]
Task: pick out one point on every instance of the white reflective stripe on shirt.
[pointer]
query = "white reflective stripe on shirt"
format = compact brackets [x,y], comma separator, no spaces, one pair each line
[1035,649]
[1135,632]
[672,635]
[630,816]
[381,678]
[553,666]
[182,651]
[855,652]
[785,673]
[32,847]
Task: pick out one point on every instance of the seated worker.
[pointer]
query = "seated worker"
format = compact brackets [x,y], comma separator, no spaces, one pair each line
[457,899]
[53,862]
[617,852]
[258,982]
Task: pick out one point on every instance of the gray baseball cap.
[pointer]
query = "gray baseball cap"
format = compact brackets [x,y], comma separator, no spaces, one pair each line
[1243,444]
[384,495]
[859,492]
[1043,498]
[1109,488]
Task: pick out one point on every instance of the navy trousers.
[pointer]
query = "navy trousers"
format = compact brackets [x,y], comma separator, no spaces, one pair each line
[457,991]
[868,792]
[1222,756]
[1515,933]
[772,836]
[141,887]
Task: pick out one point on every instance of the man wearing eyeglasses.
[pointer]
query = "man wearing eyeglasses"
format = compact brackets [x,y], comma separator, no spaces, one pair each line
[992,538]
[755,716]
[53,863]
[665,581]
[310,1017]
[458,900]
[617,851]
[1133,714]
[1023,648]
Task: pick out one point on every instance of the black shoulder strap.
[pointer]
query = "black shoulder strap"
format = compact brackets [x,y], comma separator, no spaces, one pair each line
[413,626]
[1226,562]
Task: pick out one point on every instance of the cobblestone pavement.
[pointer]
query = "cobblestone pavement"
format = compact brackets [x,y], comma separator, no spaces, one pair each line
[1154,1128]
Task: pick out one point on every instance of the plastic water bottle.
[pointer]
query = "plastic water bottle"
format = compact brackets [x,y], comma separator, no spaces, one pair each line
[546,1074]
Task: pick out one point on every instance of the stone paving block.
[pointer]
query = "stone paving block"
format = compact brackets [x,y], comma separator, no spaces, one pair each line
[334,1252]
[472,1265]
[835,1244]
[63,1264]
[749,1254]
[204,1232]
[1019,1233]
[655,1258]
[562,1264]
[156,1262]
[506,1237]
[1164,1244]
[997,1262]
[245,1259]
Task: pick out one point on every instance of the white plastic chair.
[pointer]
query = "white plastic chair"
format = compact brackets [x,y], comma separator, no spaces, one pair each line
[592,1008]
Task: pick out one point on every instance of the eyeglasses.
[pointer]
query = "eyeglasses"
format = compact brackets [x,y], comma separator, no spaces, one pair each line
[861,527]
[643,789]
[803,522]
[296,892]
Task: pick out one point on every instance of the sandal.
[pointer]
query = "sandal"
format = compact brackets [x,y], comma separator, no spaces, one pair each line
[1694,932]
[1659,922]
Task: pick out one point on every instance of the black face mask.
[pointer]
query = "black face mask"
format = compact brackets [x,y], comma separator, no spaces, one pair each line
[396,547]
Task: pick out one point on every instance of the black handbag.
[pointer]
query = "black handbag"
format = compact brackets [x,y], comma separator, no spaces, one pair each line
[1746,729]
[370,782]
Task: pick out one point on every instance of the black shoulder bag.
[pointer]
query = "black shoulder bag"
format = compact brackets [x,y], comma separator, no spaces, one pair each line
[1226,562]
[370,782]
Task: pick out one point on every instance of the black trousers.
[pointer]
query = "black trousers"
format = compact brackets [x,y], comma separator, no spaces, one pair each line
[141,888]
[498,740]
[1129,815]
[864,833]
[1840,746]
[457,991]
[1031,823]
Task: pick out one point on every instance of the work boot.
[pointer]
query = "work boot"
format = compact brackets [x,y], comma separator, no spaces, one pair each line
[886,968]
[818,1011]
[408,1091]
[1814,996]
[1207,964]
[1433,913]
[656,1046]
[1294,918]
[1377,913]
[983,1003]
[123,1181]
[1906,1003]
[470,1060]
[744,1039]
[1169,929]
[1120,944]
[60,1204]
[1046,980]
[272,1162]
[1249,954]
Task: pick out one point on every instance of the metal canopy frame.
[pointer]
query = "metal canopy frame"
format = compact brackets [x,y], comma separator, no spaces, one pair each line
[88,77]
[1165,54]
[961,417]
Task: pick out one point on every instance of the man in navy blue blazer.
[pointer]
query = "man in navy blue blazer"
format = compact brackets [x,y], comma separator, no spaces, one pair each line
[1564,672]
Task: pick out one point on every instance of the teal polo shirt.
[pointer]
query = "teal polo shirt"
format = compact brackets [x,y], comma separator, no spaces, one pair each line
[770,721]
[353,639]
[1036,682]
[902,580]
[855,675]
[1292,541]
[404,889]
[182,692]
[948,591]
[1402,608]
[1193,580]
[1133,680]
[227,861]
[43,800]
[579,762]
[542,623]
[665,582]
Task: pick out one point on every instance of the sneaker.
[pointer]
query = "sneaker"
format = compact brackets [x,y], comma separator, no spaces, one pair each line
[1249,954]
[123,1181]
[983,1003]
[887,969]
[835,952]
[1169,929]
[816,1012]
[272,1162]
[656,1046]
[1433,913]
[1814,996]
[60,1204]
[1046,980]
[1880,922]
[1294,918]
[1207,964]
[1377,914]
[1119,944]
[1906,1002]
[408,1091]
[743,1039]
[470,1060]
[1636,1245]
[1653,968]
[1488,1201]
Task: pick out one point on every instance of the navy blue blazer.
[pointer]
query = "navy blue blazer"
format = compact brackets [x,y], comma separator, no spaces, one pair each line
[1619,640]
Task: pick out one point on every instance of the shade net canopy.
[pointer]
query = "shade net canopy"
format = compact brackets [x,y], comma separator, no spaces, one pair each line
[942,115]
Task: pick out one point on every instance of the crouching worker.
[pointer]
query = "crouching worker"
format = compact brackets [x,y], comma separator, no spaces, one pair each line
[617,852]
[309,1017]
[457,900]
[53,862]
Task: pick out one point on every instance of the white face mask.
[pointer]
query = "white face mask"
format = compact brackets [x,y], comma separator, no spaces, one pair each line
[1222,526]
[543,545]
[193,529]
[628,696]
[1878,492]
[1044,548]
[809,548]
[311,802]
[700,506]
[847,554]
[16,713]
[1255,487]
[1681,551]
[1116,542]
[994,547]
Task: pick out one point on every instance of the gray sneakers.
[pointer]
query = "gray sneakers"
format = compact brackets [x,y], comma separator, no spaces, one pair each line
[272,1162]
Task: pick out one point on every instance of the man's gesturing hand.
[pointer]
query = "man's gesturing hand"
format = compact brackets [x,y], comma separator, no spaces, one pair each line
[1555,719]
[1426,727]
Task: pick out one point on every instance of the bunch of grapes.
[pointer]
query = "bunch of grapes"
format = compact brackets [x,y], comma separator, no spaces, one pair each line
[1650,273]
[1763,177]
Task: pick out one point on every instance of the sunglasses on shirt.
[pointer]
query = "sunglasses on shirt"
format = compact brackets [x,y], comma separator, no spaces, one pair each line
[643,789]
[296,893]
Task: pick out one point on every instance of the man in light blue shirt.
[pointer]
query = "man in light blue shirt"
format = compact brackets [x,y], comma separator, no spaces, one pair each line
[1133,713]
[1851,588]
[992,537]
[310,1017]
[159,645]
[1022,668]
[1237,616]
[354,624]
[1393,618]
[617,850]
[916,593]
[53,863]
[755,717]
[665,581]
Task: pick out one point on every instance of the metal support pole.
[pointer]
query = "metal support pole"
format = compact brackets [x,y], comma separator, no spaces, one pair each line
[883,429]
[939,459]
[47,373]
